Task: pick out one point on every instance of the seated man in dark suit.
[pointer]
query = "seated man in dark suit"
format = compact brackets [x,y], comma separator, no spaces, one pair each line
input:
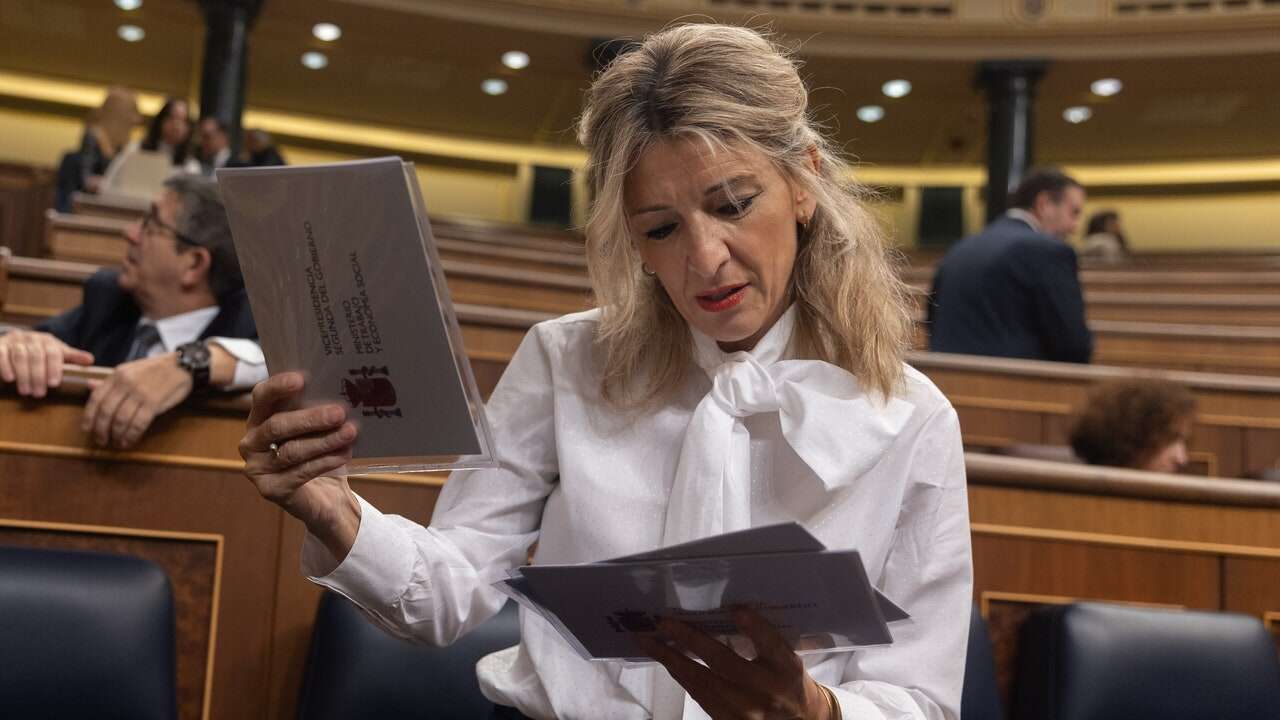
[1012,290]
[173,320]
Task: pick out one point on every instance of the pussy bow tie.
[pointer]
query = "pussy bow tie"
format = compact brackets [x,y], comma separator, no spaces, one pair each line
[826,417]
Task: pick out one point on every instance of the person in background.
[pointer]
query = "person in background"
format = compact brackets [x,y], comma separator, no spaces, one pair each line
[173,320]
[215,144]
[745,367]
[170,133]
[1140,424]
[1104,239]
[261,151]
[1012,290]
[106,134]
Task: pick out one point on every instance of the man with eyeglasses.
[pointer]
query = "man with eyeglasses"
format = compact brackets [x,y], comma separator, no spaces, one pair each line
[173,320]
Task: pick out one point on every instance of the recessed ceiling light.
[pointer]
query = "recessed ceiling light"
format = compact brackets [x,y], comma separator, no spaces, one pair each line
[130,33]
[494,86]
[515,59]
[896,88]
[1106,87]
[127,5]
[327,32]
[870,113]
[315,60]
[1077,114]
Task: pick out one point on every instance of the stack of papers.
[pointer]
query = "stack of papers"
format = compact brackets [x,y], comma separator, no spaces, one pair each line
[819,599]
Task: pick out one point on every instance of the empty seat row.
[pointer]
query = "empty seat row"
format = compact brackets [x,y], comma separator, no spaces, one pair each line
[92,635]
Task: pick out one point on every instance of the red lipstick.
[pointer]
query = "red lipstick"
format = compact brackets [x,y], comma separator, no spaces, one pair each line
[722,298]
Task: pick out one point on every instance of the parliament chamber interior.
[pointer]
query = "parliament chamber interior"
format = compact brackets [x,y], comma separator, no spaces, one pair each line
[1114,574]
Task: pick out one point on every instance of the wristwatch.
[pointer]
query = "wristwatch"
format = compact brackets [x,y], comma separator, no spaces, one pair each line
[194,358]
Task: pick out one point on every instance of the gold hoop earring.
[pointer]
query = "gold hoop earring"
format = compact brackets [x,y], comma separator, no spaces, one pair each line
[644,268]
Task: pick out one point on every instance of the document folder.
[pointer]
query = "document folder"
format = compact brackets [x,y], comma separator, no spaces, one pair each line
[346,285]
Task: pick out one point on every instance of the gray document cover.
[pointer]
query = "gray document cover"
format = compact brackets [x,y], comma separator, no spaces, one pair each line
[820,600]
[345,285]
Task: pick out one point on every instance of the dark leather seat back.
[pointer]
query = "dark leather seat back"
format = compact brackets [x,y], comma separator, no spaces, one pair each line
[85,635]
[356,670]
[981,697]
[1093,661]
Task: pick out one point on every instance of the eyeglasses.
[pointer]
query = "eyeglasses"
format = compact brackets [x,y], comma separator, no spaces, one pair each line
[150,220]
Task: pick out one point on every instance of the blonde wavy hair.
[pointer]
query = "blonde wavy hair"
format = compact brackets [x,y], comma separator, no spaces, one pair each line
[732,86]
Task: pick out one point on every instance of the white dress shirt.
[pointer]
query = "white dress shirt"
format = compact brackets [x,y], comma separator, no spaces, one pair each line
[589,483]
[175,330]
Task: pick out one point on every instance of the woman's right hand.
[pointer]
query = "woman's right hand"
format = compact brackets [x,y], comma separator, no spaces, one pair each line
[289,455]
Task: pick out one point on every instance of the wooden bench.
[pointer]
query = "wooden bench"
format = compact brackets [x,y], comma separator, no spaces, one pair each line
[39,288]
[113,207]
[100,241]
[1207,281]
[1042,533]
[78,238]
[508,235]
[1001,401]
[1048,533]
[1201,348]
[512,257]
[1241,350]
[1238,259]
[1181,308]
[1004,402]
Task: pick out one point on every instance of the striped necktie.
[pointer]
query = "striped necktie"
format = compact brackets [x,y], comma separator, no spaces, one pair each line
[144,338]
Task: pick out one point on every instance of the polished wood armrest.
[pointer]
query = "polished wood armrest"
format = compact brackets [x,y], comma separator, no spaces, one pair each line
[76,380]
[983,469]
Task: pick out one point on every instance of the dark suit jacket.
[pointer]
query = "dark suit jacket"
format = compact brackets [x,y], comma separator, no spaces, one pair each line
[104,323]
[1009,291]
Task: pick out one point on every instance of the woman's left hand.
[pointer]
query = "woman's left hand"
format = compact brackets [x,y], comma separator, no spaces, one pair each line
[773,685]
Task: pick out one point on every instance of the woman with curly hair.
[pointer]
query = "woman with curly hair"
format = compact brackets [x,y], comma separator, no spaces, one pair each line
[744,367]
[1141,424]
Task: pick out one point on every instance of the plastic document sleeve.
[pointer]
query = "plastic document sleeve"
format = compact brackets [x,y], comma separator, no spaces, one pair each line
[346,285]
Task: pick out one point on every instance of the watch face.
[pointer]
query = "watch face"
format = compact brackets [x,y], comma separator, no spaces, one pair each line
[194,354]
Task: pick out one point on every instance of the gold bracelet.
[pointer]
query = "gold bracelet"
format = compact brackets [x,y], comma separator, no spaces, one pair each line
[833,704]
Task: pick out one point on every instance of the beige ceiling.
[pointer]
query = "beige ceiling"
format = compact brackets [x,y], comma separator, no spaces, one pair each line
[420,72]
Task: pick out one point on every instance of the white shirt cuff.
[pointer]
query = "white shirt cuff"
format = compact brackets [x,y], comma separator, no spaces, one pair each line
[853,706]
[251,364]
[375,571]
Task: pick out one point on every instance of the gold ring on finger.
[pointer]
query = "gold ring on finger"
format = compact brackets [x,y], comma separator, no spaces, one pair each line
[275,450]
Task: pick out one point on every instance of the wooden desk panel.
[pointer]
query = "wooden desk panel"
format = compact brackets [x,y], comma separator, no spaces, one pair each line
[1190,309]
[1017,569]
[113,207]
[181,479]
[1195,348]
[193,561]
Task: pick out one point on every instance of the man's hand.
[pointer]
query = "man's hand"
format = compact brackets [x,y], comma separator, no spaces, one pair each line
[33,360]
[123,406]
[772,686]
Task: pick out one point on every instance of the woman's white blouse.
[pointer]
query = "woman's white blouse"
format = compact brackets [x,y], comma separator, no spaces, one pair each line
[589,483]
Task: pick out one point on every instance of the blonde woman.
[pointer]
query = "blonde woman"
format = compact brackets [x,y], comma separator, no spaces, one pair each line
[744,368]
[106,133]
